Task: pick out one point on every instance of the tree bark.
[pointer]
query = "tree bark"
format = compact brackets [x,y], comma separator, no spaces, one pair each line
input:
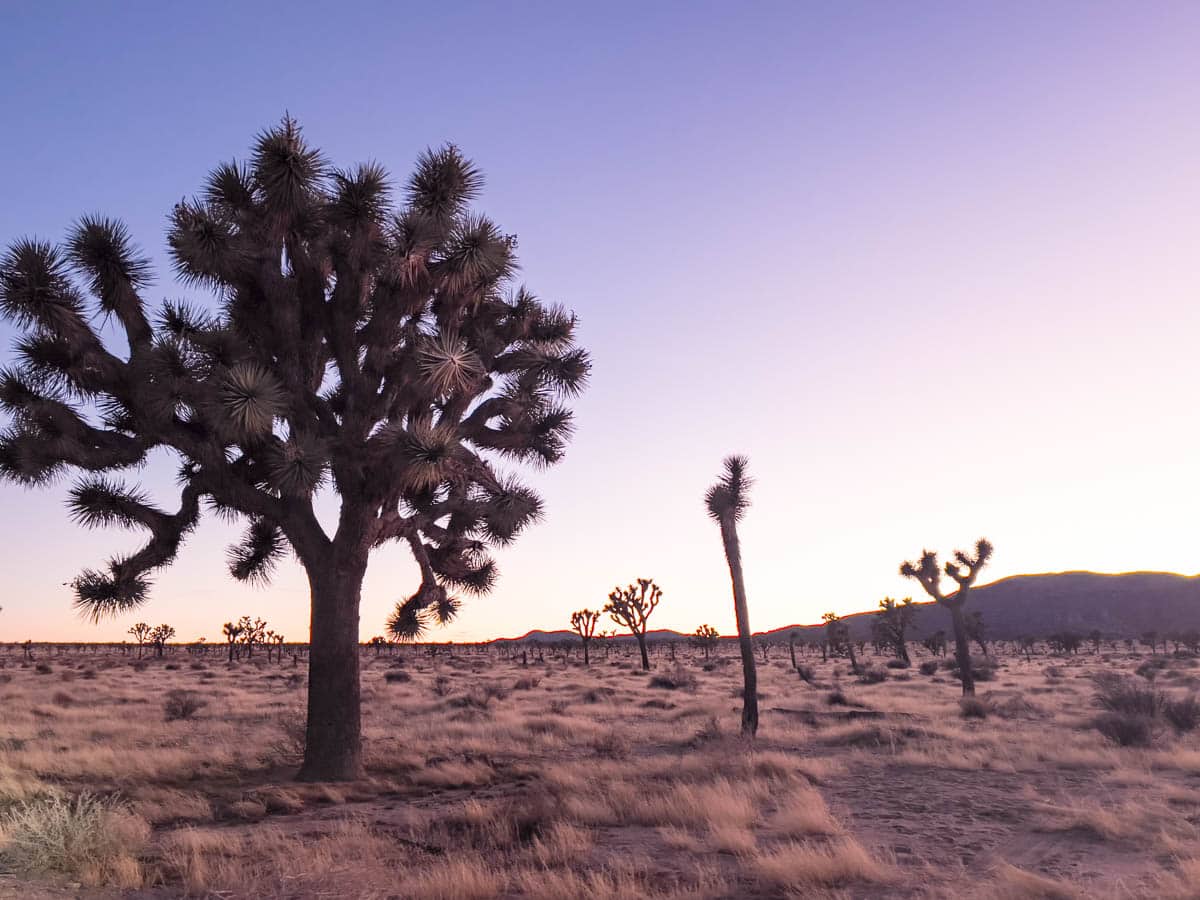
[333,738]
[733,555]
[586,660]
[641,639]
[962,650]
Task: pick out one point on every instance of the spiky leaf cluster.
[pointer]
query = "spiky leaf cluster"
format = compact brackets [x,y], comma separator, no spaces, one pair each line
[360,338]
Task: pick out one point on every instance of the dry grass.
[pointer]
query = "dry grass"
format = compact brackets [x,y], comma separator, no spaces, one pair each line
[486,778]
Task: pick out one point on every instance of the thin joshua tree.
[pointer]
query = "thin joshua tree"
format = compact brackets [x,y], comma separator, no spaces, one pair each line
[962,571]
[583,623]
[727,502]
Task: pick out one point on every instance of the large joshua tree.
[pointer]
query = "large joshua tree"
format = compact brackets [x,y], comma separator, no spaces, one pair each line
[727,501]
[962,571]
[359,343]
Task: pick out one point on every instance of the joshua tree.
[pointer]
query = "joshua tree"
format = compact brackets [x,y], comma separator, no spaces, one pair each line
[894,621]
[706,638]
[253,632]
[159,637]
[631,607]
[359,345]
[962,571]
[837,636]
[141,634]
[232,631]
[727,501]
[935,643]
[1026,643]
[583,623]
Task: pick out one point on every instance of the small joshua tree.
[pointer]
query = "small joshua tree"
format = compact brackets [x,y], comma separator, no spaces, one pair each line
[232,631]
[141,634]
[632,607]
[583,623]
[962,571]
[727,501]
[706,638]
[159,637]
[894,621]
[935,643]
[253,632]
[837,636]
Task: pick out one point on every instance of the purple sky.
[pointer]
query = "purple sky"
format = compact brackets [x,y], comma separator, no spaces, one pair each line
[933,267]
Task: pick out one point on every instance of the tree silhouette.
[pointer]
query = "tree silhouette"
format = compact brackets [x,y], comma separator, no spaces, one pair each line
[141,634]
[371,348]
[894,621]
[727,501]
[232,631]
[583,623]
[706,638]
[962,571]
[631,607]
[837,636]
[159,637]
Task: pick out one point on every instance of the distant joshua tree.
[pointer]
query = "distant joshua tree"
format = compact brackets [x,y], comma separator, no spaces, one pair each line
[253,632]
[583,623]
[141,634]
[357,342]
[837,637]
[935,643]
[727,501]
[631,607]
[963,572]
[977,630]
[894,621]
[232,631]
[706,638]
[160,636]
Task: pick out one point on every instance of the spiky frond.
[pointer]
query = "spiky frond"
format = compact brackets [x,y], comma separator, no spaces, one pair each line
[253,559]
[729,498]
[249,399]
[95,502]
[443,182]
[448,365]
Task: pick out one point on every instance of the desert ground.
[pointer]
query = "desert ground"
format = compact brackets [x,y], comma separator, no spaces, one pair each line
[489,778]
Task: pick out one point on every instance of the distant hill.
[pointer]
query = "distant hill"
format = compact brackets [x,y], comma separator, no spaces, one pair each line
[1124,605]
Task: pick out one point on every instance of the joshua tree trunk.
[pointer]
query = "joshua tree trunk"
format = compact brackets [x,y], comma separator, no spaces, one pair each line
[586,660]
[333,750]
[641,639]
[962,650]
[792,650]
[733,555]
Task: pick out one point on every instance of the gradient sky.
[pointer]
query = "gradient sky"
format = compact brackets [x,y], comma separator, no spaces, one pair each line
[933,266]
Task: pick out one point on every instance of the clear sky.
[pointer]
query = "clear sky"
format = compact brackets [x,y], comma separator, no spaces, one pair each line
[933,266]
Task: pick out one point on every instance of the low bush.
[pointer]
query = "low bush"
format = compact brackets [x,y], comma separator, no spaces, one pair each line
[396,676]
[929,667]
[872,675]
[677,679]
[973,708]
[43,668]
[1127,697]
[897,664]
[182,704]
[1183,713]
[1126,730]
[88,838]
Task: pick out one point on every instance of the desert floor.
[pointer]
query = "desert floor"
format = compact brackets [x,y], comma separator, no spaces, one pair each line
[492,779]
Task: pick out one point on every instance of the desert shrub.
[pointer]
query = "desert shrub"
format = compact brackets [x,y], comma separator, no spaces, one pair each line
[896,664]
[43,668]
[806,673]
[527,683]
[929,667]
[1126,730]
[1183,713]
[88,674]
[1150,668]
[441,685]
[87,837]
[182,705]
[678,678]
[288,747]
[197,666]
[982,668]
[171,667]
[597,695]
[872,675]
[396,676]
[836,697]
[973,708]
[1127,697]
[611,746]
[139,665]
[62,698]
